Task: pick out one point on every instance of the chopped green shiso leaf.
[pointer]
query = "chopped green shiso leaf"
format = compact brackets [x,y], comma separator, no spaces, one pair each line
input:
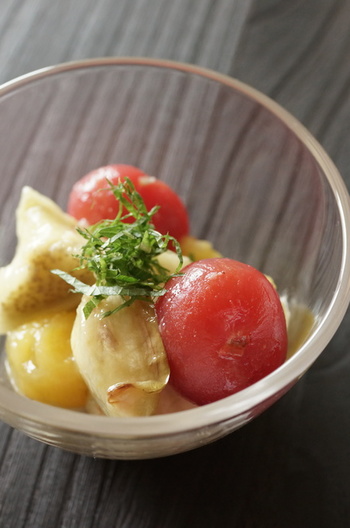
[123,256]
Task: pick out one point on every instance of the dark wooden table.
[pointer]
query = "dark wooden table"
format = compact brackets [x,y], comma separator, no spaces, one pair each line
[290,468]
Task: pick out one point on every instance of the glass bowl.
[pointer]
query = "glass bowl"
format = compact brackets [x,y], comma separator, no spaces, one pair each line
[256,184]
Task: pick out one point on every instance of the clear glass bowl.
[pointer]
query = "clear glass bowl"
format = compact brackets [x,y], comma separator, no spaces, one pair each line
[255,182]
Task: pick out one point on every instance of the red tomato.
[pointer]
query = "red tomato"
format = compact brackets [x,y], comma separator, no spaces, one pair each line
[223,328]
[87,200]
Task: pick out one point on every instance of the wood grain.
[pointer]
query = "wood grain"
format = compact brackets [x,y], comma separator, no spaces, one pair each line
[300,51]
[290,467]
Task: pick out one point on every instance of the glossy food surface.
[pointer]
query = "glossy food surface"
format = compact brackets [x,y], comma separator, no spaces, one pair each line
[264,192]
[92,200]
[288,468]
[223,328]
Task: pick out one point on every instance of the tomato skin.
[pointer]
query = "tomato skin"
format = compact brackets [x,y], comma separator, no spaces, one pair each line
[223,328]
[90,198]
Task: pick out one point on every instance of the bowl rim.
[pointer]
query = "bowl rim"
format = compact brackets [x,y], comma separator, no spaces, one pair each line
[13,405]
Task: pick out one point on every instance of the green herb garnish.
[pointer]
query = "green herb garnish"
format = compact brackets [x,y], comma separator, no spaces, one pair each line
[122,256]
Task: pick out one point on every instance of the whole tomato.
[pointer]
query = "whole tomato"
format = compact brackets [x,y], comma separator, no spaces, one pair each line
[92,200]
[223,328]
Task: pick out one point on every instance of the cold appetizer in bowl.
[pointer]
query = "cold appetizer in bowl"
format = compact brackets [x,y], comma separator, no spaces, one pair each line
[114,308]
